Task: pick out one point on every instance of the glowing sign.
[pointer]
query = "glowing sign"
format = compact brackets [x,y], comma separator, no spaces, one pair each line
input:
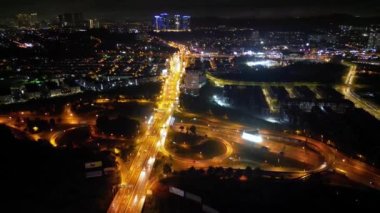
[256,137]
[95,164]
[265,63]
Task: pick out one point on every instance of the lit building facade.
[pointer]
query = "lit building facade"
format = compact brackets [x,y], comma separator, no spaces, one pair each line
[374,40]
[27,20]
[167,23]
[71,20]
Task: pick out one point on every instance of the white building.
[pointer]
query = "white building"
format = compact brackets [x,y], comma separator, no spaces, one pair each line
[193,81]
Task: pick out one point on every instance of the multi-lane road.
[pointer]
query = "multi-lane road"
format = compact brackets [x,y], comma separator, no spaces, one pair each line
[131,197]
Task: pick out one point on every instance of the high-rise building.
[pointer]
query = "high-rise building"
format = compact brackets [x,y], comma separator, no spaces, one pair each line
[166,23]
[194,80]
[71,20]
[27,20]
[177,22]
[374,40]
[186,23]
[34,19]
[157,23]
[93,24]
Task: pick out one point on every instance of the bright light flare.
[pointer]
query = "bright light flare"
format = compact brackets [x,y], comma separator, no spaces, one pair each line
[151,161]
[143,173]
[135,199]
[150,120]
[220,101]
[272,120]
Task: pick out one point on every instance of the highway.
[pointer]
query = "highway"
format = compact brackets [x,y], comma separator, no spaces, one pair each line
[353,169]
[353,97]
[230,133]
[230,136]
[131,197]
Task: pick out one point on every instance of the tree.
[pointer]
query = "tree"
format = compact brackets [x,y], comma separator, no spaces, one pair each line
[52,123]
[6,133]
[193,130]
[124,154]
[167,168]
[248,171]
[192,171]
[229,172]
[211,170]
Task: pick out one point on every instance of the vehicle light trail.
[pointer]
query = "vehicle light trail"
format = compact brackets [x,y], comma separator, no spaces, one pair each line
[349,94]
[131,199]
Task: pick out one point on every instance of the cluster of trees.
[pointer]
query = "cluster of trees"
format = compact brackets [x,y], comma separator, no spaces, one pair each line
[345,130]
[247,189]
[229,173]
[118,126]
[47,179]
[39,125]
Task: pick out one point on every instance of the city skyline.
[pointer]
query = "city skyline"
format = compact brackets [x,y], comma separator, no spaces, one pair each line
[224,8]
[190,106]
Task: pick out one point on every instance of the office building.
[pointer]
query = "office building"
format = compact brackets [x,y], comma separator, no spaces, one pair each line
[374,40]
[93,24]
[27,20]
[71,20]
[177,22]
[186,23]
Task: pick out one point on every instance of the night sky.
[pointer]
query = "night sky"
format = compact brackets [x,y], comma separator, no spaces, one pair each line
[222,8]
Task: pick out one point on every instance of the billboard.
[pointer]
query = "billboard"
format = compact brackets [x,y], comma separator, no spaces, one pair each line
[252,137]
[92,174]
[94,164]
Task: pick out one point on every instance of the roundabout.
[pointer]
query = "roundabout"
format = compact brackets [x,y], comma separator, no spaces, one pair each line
[275,153]
[319,155]
[196,150]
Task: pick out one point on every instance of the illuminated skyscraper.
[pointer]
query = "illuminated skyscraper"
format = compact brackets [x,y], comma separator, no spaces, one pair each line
[177,22]
[186,23]
[157,23]
[71,20]
[33,19]
[166,23]
[27,20]
[374,40]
